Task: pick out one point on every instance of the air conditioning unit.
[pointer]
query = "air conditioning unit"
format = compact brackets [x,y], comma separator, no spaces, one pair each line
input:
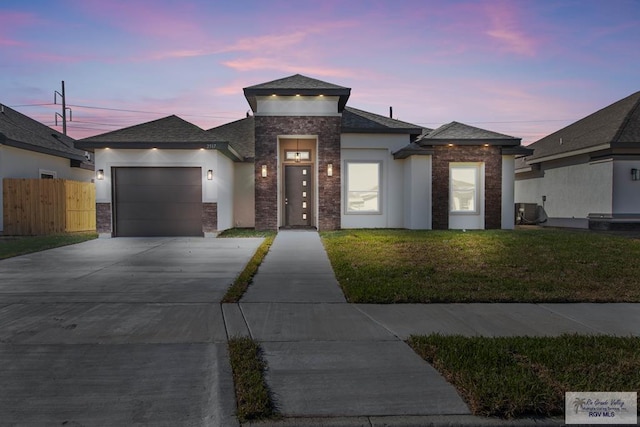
[526,213]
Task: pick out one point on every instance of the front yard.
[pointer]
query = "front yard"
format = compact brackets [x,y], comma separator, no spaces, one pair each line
[526,376]
[21,245]
[401,266]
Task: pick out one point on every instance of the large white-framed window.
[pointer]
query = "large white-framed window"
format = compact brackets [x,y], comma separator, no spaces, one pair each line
[363,183]
[464,188]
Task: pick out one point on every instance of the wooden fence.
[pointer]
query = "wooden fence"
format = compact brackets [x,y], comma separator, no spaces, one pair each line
[47,206]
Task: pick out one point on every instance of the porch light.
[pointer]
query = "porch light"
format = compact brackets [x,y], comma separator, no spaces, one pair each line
[330,169]
[297,156]
[635,176]
[100,174]
[209,174]
[264,171]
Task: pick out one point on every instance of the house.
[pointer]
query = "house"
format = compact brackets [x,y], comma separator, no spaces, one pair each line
[30,149]
[304,159]
[586,174]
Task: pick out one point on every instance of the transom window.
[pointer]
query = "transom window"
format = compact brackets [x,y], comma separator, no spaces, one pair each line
[297,156]
[464,188]
[363,187]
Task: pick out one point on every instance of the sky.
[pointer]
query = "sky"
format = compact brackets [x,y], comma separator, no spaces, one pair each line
[519,67]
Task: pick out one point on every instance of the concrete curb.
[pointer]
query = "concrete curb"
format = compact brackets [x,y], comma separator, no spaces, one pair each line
[407,421]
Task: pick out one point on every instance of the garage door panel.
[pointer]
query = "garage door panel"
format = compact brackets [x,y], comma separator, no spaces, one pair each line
[160,194]
[151,228]
[158,176]
[162,211]
[159,201]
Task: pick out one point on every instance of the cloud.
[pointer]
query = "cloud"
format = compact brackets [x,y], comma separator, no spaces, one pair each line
[261,63]
[506,29]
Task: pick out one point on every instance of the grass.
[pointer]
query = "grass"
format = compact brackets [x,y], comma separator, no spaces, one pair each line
[21,245]
[525,376]
[400,266]
[252,394]
[242,282]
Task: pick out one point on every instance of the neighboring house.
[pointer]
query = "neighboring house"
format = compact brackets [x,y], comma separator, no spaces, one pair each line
[30,149]
[303,159]
[586,175]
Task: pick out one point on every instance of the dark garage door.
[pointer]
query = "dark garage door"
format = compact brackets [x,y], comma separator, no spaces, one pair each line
[158,201]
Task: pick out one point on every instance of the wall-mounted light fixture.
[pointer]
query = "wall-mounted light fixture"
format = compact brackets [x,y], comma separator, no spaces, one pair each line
[100,174]
[635,175]
[209,174]
[264,171]
[330,169]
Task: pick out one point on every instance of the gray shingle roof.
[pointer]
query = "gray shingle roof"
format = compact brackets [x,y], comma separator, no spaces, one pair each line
[459,132]
[297,85]
[171,129]
[616,124]
[23,132]
[357,121]
[297,81]
[240,134]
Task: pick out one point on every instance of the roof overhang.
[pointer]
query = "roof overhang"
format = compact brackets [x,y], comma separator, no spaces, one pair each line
[568,154]
[517,150]
[38,149]
[252,93]
[470,142]
[408,131]
[221,146]
[412,150]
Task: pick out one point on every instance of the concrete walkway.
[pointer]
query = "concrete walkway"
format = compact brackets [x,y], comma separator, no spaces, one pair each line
[328,358]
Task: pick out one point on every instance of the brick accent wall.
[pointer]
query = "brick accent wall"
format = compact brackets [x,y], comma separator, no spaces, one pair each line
[209,217]
[267,130]
[492,158]
[103,218]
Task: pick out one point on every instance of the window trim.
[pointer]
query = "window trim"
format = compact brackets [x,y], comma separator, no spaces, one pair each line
[347,211]
[477,168]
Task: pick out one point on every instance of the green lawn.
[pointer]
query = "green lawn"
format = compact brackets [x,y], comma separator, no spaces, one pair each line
[401,266]
[20,245]
[523,376]
[252,394]
[242,282]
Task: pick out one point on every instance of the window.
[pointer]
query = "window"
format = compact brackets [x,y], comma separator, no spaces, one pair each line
[46,174]
[464,186]
[363,187]
[300,155]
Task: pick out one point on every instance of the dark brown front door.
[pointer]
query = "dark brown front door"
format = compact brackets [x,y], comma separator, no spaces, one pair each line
[298,196]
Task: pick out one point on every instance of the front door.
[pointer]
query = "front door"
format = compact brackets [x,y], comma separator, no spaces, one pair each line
[298,196]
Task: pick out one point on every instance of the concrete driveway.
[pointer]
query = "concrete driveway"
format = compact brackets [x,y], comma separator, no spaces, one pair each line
[118,332]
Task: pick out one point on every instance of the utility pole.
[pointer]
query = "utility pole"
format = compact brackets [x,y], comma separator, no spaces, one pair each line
[63,116]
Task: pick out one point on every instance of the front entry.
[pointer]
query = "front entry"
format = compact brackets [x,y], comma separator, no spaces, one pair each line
[298,196]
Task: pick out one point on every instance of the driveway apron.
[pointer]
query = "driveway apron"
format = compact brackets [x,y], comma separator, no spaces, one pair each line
[119,332]
[325,357]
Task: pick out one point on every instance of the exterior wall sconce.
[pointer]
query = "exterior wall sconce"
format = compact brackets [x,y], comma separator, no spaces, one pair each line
[209,174]
[100,174]
[330,169]
[635,175]
[264,171]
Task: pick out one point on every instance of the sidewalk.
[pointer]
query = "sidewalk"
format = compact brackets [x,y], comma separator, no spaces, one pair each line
[328,358]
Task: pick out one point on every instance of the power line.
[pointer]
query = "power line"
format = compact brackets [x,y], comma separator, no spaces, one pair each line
[146,112]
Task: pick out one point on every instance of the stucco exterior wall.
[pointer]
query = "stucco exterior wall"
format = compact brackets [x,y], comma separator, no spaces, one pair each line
[374,147]
[626,193]
[297,105]
[572,190]
[417,192]
[219,190]
[508,184]
[18,163]
[244,204]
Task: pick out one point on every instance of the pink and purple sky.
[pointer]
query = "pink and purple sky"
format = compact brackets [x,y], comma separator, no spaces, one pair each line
[524,68]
